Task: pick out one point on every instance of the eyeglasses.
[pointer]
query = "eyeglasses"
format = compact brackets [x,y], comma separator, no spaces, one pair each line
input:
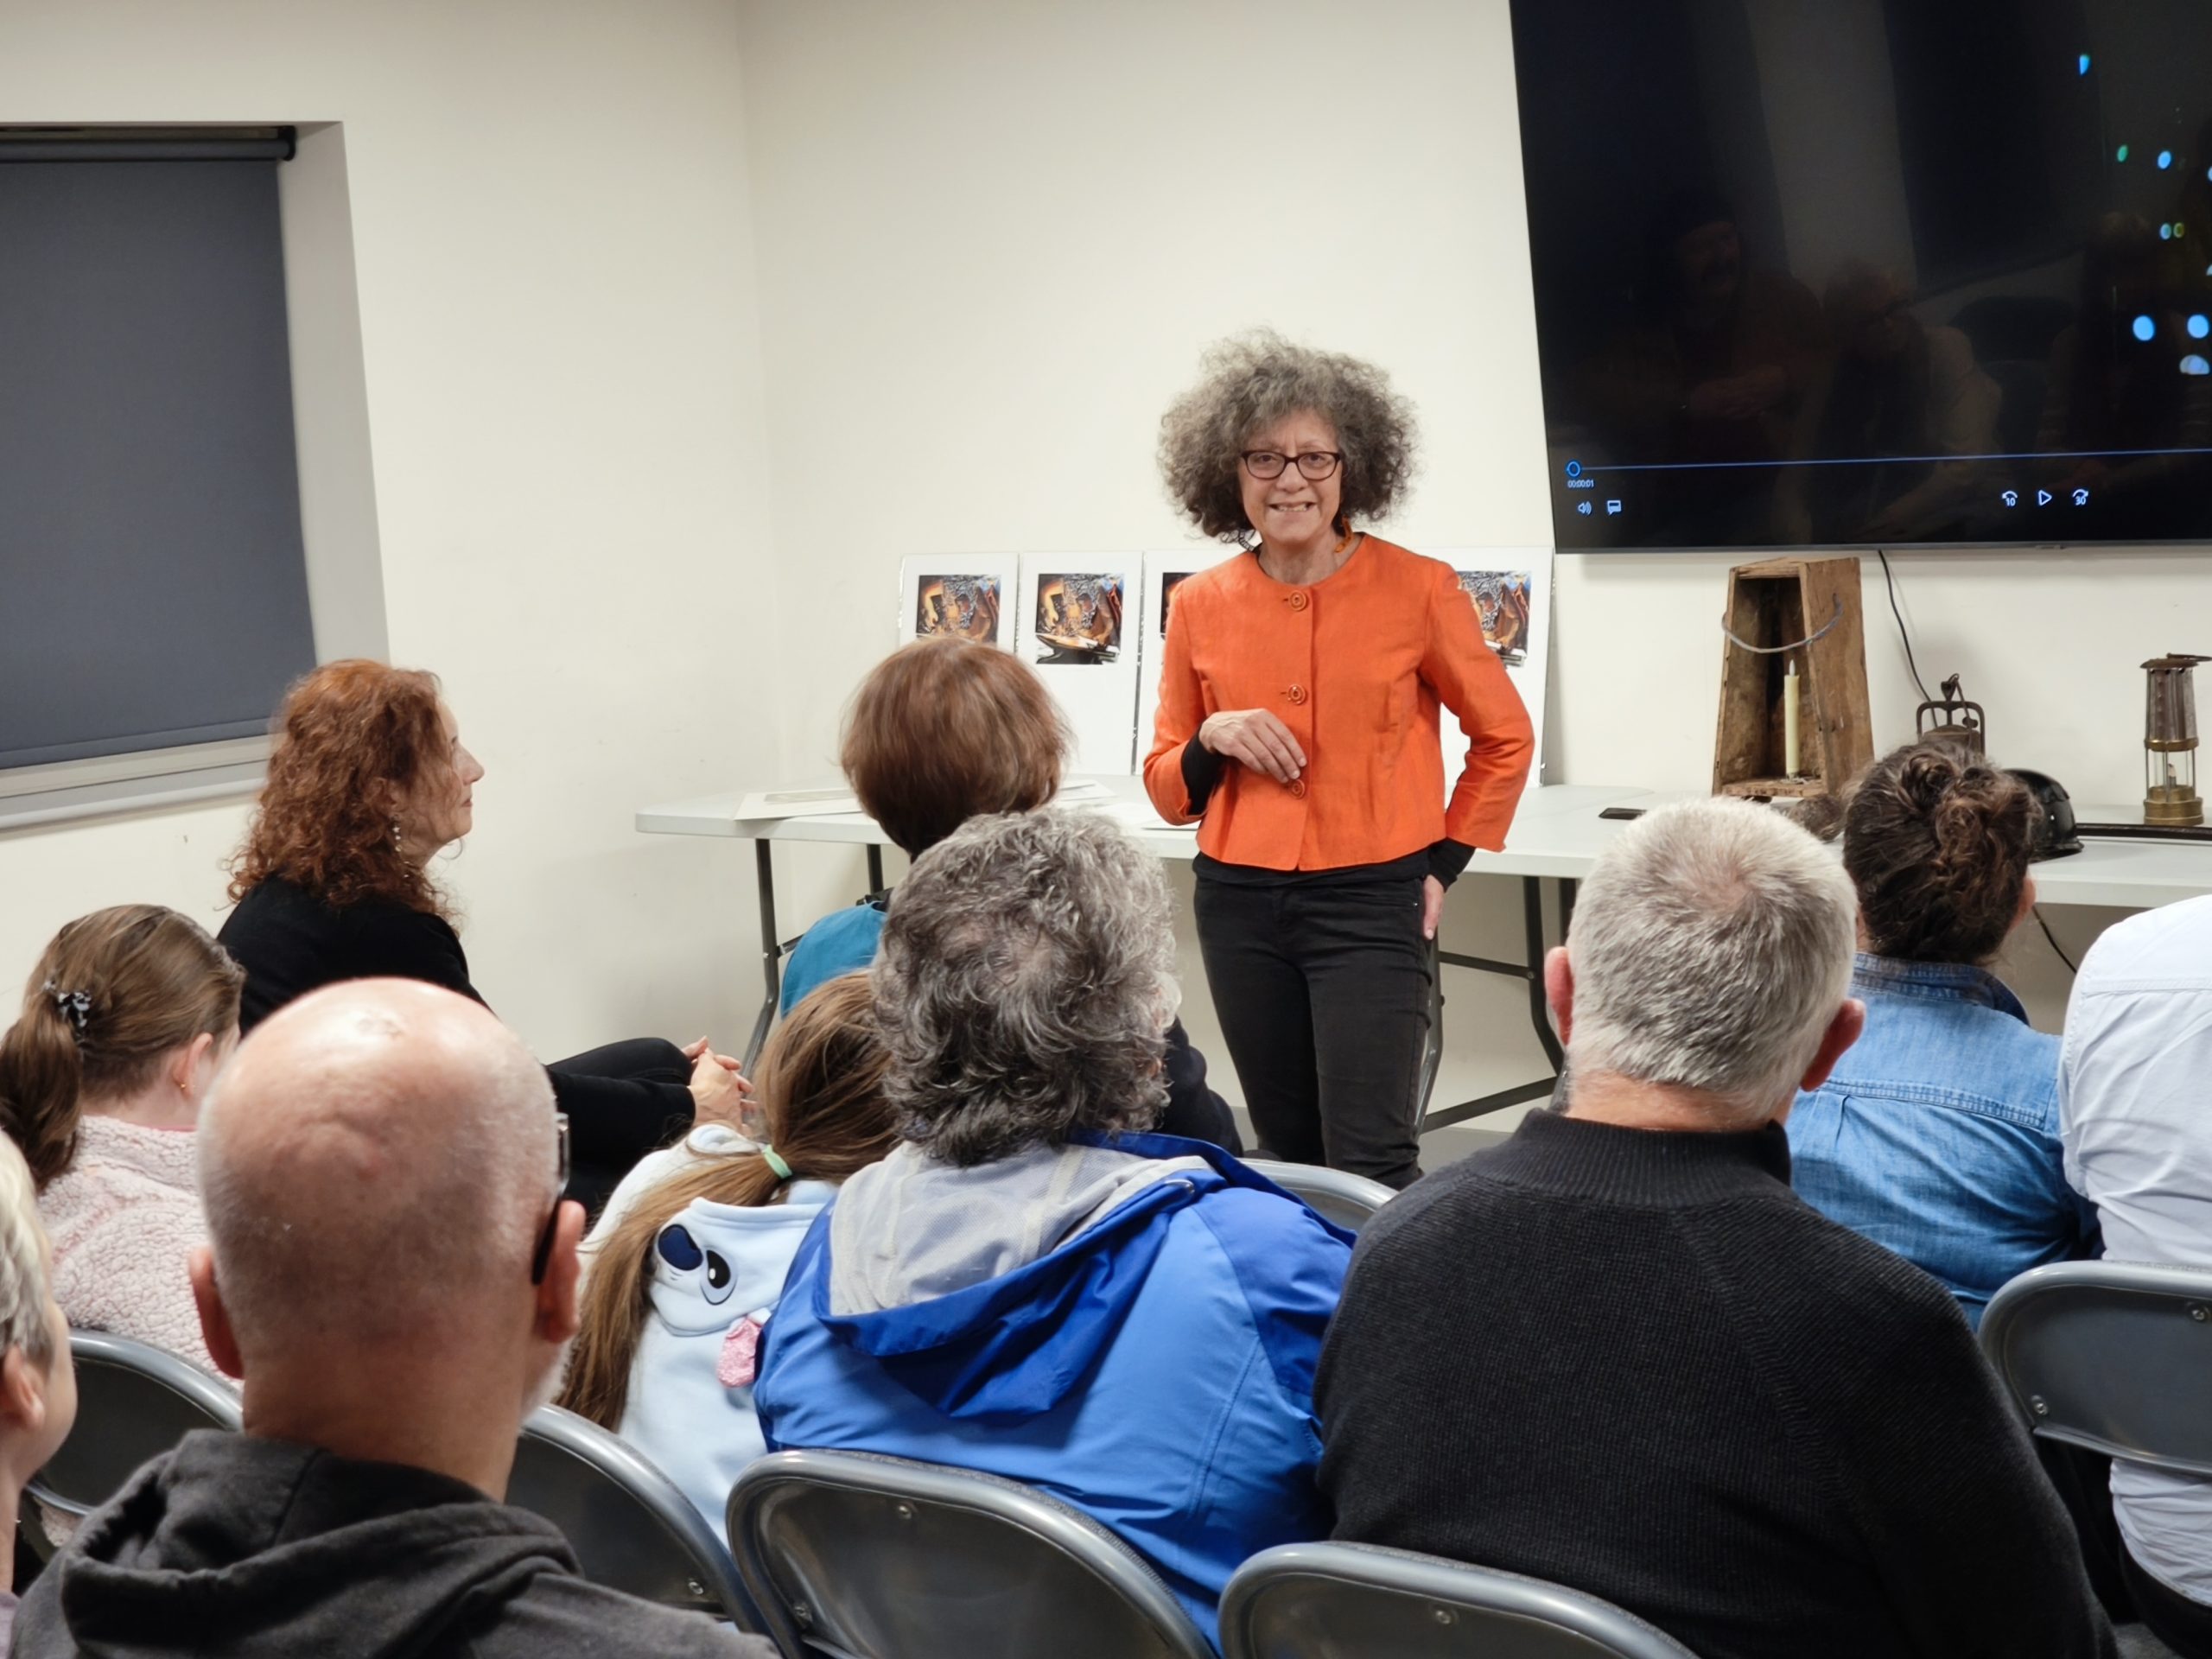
[1316,464]
[543,1253]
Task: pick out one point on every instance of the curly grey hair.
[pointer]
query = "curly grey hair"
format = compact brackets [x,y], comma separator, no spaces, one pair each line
[1251,381]
[1024,986]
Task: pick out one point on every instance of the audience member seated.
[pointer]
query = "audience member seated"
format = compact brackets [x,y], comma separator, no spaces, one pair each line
[367,781]
[942,731]
[126,1019]
[687,1264]
[1031,1285]
[2138,1146]
[38,1384]
[1937,1133]
[1619,1353]
[391,1273]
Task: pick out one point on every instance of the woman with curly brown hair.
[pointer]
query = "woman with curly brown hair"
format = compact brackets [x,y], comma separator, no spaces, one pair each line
[1298,693]
[367,781]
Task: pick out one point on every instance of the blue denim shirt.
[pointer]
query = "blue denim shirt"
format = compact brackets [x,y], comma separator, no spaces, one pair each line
[1937,1134]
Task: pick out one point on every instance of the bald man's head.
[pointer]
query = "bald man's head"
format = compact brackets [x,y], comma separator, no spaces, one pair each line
[376,1162]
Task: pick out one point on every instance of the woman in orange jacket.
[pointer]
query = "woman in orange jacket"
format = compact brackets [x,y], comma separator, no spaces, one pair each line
[1297,725]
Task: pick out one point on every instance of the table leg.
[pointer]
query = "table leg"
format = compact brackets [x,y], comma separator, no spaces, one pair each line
[1531,970]
[771,951]
[874,868]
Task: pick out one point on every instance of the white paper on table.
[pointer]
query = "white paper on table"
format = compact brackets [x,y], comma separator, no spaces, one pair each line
[970,596]
[1164,572]
[1510,588]
[1076,629]
[806,803]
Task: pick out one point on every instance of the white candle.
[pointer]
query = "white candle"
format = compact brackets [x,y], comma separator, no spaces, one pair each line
[1789,720]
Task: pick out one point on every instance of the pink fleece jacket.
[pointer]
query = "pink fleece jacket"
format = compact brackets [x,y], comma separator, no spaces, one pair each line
[123,1218]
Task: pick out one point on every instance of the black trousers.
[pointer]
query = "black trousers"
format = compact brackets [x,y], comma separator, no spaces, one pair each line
[622,1101]
[1322,989]
[2183,1625]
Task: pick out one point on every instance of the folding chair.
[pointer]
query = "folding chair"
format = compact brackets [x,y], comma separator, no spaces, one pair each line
[1347,1601]
[631,1527]
[864,1557]
[1348,1200]
[2112,1355]
[134,1402]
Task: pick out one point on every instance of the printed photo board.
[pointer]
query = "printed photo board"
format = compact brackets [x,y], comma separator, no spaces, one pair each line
[1510,588]
[1079,631]
[970,595]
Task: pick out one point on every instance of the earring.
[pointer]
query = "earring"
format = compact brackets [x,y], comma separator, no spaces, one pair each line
[399,840]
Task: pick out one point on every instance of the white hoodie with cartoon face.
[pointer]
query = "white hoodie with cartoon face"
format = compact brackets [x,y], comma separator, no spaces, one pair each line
[718,1269]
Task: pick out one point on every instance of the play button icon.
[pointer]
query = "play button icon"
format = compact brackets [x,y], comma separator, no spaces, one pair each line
[2043,497]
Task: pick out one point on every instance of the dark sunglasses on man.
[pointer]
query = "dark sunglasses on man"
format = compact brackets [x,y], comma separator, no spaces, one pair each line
[543,1253]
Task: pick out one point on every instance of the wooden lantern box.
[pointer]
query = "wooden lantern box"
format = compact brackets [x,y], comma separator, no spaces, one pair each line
[1783,602]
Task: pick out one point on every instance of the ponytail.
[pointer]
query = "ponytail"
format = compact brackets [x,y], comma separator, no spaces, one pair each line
[821,1087]
[115,994]
[42,1076]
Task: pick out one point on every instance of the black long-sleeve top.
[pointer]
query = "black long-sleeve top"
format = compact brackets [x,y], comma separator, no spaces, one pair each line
[1637,1363]
[290,943]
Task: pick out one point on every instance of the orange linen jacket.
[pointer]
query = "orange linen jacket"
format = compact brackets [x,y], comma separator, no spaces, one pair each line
[1355,665]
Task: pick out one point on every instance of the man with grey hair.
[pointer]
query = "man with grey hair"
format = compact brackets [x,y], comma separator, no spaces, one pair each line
[1032,1285]
[391,1273]
[1617,1352]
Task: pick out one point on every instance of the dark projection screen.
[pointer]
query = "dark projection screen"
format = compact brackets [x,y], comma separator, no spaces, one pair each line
[153,585]
[1871,272]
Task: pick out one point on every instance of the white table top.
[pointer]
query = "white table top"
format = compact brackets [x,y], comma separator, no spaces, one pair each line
[1557,832]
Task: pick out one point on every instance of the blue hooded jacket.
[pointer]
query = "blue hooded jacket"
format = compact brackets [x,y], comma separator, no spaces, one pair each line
[1154,1366]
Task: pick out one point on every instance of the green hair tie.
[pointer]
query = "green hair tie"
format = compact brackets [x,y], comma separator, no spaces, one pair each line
[768,1156]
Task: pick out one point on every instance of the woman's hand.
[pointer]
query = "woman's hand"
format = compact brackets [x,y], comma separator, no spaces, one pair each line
[719,1090]
[1255,738]
[1432,905]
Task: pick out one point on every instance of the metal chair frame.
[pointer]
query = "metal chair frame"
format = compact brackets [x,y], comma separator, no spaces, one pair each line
[1348,1200]
[2059,1385]
[711,1576]
[1029,1518]
[1475,1610]
[149,1367]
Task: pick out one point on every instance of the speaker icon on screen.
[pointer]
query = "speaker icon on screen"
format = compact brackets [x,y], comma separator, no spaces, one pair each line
[1582,507]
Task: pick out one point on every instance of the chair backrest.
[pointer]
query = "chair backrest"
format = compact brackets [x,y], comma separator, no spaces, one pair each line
[867,1557]
[134,1402]
[1346,1601]
[1348,1200]
[631,1527]
[2112,1355]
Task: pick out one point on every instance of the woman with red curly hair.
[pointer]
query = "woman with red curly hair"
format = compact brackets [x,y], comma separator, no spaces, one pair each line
[367,781]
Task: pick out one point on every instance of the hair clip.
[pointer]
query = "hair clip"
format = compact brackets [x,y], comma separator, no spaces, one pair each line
[76,1007]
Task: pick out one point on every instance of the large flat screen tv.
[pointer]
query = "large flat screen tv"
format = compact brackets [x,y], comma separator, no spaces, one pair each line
[1853,273]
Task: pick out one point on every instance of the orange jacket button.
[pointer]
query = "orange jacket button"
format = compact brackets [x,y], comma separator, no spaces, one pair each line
[1296,694]
[1298,598]
[1298,787]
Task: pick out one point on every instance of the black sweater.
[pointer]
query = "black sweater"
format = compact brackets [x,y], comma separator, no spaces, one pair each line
[290,943]
[1637,1364]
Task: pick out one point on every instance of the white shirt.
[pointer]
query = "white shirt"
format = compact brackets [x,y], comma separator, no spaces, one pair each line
[2135,1116]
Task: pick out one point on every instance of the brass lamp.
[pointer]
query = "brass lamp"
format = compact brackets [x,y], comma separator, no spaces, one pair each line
[2170,742]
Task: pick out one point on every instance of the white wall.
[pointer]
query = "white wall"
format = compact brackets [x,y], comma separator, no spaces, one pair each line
[990,239]
[558,328]
[994,238]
